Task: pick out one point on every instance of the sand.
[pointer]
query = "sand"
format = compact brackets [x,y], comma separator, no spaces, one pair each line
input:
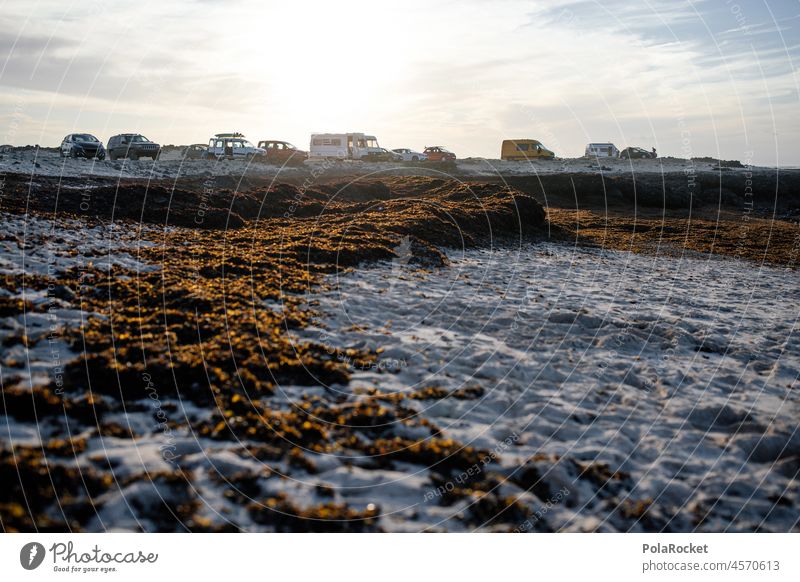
[398,353]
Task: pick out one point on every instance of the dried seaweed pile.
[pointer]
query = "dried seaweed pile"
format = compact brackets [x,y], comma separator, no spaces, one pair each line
[209,331]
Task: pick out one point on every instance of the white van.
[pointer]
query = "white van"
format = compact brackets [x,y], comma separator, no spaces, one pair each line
[345,146]
[601,150]
[233,146]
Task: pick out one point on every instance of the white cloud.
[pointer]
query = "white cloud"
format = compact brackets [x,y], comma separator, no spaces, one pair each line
[464,74]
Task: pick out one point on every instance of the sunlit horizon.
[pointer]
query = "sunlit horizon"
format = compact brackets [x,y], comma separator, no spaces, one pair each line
[688,78]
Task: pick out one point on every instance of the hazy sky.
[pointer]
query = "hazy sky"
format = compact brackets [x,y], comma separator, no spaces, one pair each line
[714,77]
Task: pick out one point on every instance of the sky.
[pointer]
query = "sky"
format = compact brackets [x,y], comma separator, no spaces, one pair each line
[692,78]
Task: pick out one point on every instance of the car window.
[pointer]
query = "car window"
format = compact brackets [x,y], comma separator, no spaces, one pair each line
[522,147]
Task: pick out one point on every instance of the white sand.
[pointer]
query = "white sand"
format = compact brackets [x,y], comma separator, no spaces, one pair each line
[680,373]
[593,356]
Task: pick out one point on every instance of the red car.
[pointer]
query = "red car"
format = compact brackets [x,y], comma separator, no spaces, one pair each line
[439,154]
[282,152]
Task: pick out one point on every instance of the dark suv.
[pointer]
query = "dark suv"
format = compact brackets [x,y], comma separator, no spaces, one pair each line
[633,153]
[132,146]
[82,145]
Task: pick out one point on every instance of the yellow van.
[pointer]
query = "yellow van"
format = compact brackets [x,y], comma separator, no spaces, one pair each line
[524,149]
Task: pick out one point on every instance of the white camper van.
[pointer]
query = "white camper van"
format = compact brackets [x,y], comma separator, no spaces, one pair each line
[601,150]
[345,146]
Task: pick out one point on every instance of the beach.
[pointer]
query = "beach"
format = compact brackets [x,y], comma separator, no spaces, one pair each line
[479,346]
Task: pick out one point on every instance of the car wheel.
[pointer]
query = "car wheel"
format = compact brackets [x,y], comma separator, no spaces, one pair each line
[415,158]
[133,156]
[73,154]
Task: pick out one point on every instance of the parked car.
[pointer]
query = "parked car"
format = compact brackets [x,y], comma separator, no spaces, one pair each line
[82,145]
[282,153]
[633,153]
[409,155]
[524,149]
[132,146]
[233,146]
[601,150]
[439,154]
[381,155]
[196,151]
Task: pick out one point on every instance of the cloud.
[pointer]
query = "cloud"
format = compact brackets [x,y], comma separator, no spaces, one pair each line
[60,66]
[464,74]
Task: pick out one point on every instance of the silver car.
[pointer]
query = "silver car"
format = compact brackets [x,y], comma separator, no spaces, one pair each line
[409,155]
